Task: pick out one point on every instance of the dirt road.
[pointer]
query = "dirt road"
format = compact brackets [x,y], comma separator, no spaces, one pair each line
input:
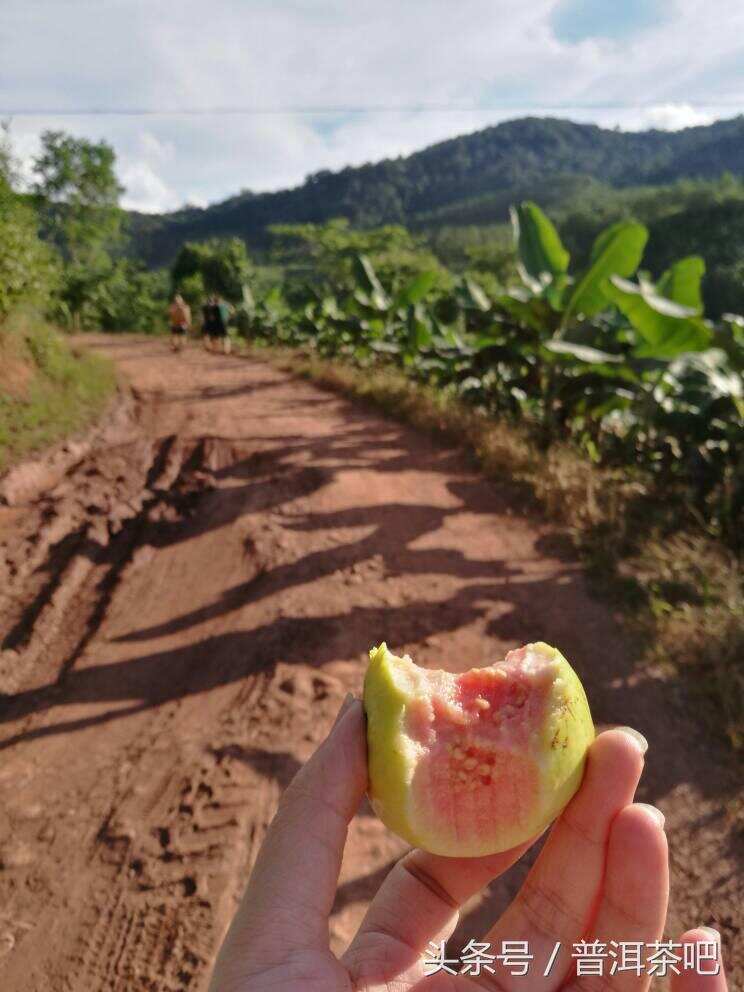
[186,599]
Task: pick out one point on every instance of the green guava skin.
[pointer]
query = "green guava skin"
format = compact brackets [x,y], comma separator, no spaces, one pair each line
[537,768]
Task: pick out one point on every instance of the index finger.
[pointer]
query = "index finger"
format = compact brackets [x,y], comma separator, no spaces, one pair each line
[706,972]
[559,897]
[421,897]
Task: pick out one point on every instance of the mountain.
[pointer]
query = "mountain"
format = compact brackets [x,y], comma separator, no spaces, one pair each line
[476,176]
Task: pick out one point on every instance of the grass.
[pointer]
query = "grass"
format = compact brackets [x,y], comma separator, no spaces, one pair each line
[681,590]
[48,389]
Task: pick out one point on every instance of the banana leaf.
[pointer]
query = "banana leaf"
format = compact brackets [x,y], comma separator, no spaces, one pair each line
[366,275]
[668,329]
[681,283]
[471,296]
[416,290]
[538,244]
[617,251]
[419,330]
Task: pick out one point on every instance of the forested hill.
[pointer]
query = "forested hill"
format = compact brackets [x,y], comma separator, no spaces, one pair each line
[501,164]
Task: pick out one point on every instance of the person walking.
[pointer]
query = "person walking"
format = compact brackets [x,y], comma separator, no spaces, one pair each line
[207,322]
[179,315]
[220,317]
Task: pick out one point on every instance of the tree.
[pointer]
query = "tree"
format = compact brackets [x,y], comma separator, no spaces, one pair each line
[331,250]
[79,196]
[28,267]
[222,265]
[131,298]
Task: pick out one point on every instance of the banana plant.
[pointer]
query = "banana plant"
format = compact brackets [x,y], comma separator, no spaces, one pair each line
[399,321]
[573,368]
[629,367]
[544,266]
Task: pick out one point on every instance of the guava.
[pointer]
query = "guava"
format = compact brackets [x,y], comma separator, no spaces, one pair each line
[475,763]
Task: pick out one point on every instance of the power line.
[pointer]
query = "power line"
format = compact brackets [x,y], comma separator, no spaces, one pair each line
[421,108]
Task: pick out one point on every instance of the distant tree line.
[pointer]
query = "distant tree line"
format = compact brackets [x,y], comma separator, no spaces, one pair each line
[457,195]
[68,241]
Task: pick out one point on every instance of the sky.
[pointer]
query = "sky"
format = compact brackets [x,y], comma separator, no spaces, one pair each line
[203,100]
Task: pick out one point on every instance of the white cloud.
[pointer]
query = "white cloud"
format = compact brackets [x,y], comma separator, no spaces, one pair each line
[675,116]
[490,54]
[145,190]
[155,149]
[663,117]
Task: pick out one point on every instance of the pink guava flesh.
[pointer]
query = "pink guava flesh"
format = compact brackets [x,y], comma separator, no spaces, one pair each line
[475,763]
[473,730]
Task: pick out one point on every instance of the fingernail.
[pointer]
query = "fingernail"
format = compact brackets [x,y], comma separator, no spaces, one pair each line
[711,933]
[638,739]
[348,700]
[656,813]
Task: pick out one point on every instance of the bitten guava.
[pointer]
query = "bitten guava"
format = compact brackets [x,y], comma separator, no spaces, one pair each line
[471,764]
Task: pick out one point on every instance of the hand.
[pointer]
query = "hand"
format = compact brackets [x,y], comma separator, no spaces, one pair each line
[602,874]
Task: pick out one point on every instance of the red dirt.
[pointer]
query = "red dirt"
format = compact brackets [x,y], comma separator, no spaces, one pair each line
[187,596]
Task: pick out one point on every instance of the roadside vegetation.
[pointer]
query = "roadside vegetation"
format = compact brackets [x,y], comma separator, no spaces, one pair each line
[48,389]
[64,245]
[49,242]
[625,369]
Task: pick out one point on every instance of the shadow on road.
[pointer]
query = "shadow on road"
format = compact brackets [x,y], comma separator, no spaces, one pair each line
[242,478]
